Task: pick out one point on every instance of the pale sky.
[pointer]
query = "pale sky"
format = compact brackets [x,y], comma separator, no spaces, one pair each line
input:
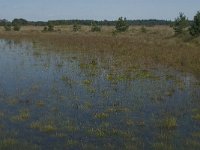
[97,9]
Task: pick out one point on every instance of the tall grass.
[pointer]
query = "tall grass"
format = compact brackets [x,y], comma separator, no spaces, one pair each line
[156,46]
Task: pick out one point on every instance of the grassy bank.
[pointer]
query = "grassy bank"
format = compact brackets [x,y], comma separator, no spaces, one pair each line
[150,47]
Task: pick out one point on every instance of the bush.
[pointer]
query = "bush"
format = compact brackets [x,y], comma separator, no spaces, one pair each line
[76,27]
[50,27]
[95,28]
[180,24]
[195,27]
[45,29]
[122,25]
[16,27]
[8,27]
[143,29]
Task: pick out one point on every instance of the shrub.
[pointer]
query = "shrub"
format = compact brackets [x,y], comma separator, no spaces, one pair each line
[16,27]
[7,27]
[76,27]
[95,28]
[50,27]
[195,27]
[143,29]
[180,24]
[122,25]
[45,29]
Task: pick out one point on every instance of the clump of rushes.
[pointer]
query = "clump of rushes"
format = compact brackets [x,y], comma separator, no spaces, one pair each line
[43,127]
[72,143]
[101,115]
[169,123]
[8,143]
[22,116]
[162,146]
[196,117]
[40,104]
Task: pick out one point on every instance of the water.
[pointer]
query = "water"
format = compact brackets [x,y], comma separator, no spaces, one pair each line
[82,100]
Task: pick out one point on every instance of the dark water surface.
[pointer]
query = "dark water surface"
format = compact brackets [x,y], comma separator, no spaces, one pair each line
[83,100]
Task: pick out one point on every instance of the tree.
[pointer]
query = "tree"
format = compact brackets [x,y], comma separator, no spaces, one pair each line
[76,27]
[180,24]
[95,28]
[195,27]
[122,25]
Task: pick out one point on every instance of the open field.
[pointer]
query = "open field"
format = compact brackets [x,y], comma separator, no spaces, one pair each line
[157,45]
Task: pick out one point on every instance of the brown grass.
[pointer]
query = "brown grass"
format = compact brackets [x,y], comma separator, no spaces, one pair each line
[157,46]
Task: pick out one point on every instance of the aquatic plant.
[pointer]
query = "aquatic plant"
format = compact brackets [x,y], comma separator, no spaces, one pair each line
[8,143]
[40,104]
[22,116]
[162,146]
[196,117]
[87,82]
[46,127]
[169,123]
[72,143]
[101,115]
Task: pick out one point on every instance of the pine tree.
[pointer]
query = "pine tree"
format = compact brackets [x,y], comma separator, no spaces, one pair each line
[195,28]
[122,25]
[180,24]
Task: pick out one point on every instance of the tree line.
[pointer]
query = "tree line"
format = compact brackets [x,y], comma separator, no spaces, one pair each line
[22,22]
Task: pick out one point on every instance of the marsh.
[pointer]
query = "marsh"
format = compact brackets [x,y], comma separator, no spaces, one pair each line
[55,98]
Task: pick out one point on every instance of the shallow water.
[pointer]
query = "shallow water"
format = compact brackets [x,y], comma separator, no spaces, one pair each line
[83,100]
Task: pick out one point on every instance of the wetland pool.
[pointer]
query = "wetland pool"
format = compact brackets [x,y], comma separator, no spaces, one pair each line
[86,100]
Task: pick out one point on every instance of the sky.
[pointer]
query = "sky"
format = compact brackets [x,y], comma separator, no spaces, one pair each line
[43,10]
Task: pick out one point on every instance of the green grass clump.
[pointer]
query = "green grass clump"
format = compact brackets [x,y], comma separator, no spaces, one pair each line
[40,104]
[196,134]
[101,116]
[8,143]
[106,132]
[145,74]
[87,105]
[169,123]
[117,109]
[12,101]
[47,127]
[196,117]
[70,126]
[192,144]
[67,80]
[162,146]
[22,116]
[72,143]
[87,82]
